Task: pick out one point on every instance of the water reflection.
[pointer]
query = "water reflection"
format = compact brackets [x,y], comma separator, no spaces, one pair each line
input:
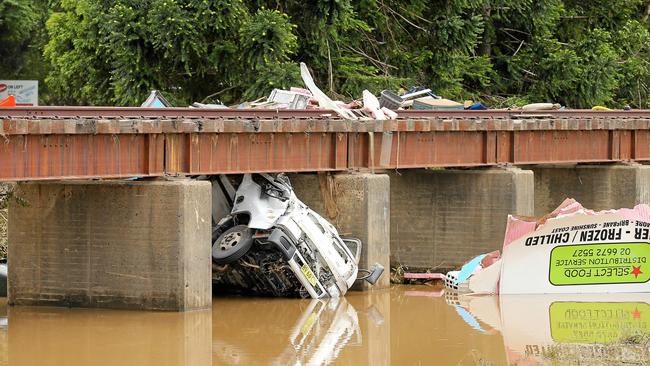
[425,330]
[291,332]
[236,331]
[55,336]
[564,329]
[324,328]
[408,325]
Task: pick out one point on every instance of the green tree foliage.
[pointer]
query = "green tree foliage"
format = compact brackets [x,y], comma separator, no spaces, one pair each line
[22,36]
[17,21]
[267,43]
[116,52]
[578,53]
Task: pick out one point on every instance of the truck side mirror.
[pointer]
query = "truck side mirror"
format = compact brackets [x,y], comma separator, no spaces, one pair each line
[375,273]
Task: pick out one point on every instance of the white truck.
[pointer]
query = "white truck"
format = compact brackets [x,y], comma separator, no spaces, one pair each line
[272,244]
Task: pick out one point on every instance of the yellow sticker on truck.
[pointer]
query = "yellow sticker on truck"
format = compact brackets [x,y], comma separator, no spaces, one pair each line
[311,277]
[600,264]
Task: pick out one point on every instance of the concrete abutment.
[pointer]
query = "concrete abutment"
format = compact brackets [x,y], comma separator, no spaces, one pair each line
[442,218]
[112,244]
[597,187]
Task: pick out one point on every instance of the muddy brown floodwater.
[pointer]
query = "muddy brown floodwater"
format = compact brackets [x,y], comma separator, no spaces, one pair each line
[406,325]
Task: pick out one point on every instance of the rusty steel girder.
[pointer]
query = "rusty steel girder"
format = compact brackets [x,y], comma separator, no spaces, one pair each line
[227,153]
[69,143]
[402,150]
[36,157]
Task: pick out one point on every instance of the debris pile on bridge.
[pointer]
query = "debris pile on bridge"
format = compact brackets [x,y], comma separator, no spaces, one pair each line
[369,107]
[570,250]
[313,98]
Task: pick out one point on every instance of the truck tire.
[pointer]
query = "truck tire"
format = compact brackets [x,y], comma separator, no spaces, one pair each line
[232,244]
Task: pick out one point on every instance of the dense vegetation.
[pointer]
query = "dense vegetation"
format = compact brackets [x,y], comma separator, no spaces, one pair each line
[578,53]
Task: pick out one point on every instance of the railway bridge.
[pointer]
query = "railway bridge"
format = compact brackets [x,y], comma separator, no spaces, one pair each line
[113,204]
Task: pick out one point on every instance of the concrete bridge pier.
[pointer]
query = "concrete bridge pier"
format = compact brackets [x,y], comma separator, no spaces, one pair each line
[442,218]
[421,218]
[597,187]
[358,205]
[111,244]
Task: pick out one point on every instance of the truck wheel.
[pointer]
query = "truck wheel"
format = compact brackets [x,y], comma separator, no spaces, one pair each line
[232,244]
